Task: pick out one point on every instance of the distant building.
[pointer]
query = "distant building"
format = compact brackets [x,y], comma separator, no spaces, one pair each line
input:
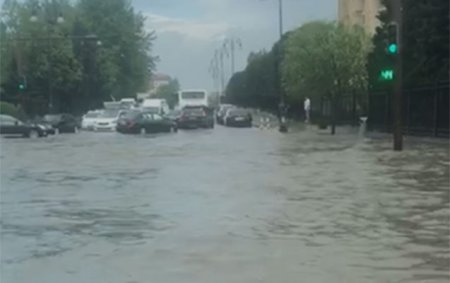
[360,12]
[157,81]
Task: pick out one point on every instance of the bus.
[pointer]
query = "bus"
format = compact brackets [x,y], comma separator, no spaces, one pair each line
[192,97]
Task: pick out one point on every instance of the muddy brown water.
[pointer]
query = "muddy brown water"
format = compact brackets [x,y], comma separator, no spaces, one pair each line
[224,205]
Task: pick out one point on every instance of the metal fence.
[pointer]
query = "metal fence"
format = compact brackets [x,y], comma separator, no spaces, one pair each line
[425,110]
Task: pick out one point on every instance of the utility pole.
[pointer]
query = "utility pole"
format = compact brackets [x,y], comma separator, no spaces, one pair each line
[398,83]
[222,52]
[280,12]
[233,43]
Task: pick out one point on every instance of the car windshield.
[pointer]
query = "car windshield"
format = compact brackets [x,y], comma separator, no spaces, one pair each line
[151,109]
[193,95]
[238,112]
[110,113]
[130,114]
[92,115]
[193,112]
[52,118]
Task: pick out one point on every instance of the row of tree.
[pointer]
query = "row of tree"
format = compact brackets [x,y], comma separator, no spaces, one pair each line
[329,62]
[66,56]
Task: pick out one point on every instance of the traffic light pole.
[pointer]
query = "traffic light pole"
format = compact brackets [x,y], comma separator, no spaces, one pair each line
[398,79]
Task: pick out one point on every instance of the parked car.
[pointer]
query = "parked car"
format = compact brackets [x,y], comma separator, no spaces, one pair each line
[107,121]
[238,118]
[10,126]
[193,117]
[135,122]
[89,119]
[220,114]
[47,128]
[39,122]
[63,123]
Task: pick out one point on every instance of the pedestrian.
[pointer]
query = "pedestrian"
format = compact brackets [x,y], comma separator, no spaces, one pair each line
[307,106]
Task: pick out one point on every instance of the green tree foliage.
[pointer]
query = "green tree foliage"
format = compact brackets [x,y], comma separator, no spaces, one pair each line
[169,92]
[256,86]
[101,50]
[425,43]
[11,110]
[325,60]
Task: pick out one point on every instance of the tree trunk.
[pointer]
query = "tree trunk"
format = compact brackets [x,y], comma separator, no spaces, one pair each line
[333,115]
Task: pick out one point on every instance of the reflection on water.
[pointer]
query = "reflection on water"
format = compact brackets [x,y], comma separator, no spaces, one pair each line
[228,205]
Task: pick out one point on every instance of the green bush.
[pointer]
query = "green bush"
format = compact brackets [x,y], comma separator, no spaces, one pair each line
[9,109]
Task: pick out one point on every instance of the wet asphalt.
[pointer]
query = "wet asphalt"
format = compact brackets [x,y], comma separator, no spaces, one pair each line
[224,205]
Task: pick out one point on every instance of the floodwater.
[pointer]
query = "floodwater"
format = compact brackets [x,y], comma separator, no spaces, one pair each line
[224,205]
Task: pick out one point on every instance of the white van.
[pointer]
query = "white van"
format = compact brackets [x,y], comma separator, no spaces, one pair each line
[155,105]
[127,103]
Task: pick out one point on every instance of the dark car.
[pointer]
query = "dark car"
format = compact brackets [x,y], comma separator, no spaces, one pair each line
[193,117]
[174,115]
[238,118]
[10,126]
[135,122]
[223,108]
[63,123]
[39,122]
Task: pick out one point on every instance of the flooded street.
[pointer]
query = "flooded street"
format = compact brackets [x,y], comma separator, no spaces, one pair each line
[224,205]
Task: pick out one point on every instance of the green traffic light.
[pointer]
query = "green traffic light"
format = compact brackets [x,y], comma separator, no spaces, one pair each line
[387,75]
[393,48]
[21,86]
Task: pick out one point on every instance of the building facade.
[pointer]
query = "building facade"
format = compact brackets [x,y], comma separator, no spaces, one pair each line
[360,12]
[157,81]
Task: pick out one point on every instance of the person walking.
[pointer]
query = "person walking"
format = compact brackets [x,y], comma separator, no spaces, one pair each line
[307,107]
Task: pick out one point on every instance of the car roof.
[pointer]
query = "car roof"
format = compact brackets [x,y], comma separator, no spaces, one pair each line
[238,110]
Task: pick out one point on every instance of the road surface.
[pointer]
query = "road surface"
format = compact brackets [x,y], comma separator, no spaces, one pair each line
[224,205]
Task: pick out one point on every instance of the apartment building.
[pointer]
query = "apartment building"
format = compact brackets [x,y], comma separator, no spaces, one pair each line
[360,12]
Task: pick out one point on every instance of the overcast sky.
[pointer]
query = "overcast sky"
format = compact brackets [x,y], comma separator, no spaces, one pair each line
[188,31]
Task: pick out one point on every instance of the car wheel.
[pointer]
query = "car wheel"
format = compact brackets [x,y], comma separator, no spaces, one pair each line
[33,134]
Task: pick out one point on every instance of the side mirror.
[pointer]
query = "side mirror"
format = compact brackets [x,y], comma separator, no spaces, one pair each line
[16,123]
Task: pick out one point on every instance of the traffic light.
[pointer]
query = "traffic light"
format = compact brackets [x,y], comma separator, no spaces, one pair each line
[22,83]
[387,75]
[392,40]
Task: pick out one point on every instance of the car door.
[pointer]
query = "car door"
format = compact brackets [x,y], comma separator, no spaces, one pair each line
[6,125]
[159,123]
[147,122]
[12,126]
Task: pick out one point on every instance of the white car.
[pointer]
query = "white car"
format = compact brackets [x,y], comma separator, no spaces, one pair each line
[107,121]
[89,119]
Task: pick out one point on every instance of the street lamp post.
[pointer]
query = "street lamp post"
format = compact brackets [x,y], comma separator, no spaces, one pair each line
[282,107]
[398,83]
[280,17]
